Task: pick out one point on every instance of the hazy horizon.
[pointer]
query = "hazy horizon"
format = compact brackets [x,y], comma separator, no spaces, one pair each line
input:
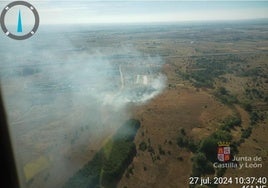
[129,12]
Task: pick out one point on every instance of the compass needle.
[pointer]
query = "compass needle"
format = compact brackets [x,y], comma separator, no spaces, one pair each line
[19,27]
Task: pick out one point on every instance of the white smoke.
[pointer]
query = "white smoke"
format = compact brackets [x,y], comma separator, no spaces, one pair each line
[54,88]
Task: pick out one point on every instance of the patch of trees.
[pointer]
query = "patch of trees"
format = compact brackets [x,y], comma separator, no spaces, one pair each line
[255,117]
[143,146]
[209,145]
[266,99]
[225,96]
[201,165]
[247,106]
[202,79]
[185,141]
[109,163]
[155,154]
[160,150]
[255,72]
[246,132]
[205,69]
[205,151]
[130,171]
[231,122]
[254,93]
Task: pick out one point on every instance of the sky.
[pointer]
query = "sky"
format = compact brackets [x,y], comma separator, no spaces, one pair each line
[96,12]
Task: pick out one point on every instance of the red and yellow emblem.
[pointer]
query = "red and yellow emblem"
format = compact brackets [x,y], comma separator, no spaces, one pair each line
[224,151]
